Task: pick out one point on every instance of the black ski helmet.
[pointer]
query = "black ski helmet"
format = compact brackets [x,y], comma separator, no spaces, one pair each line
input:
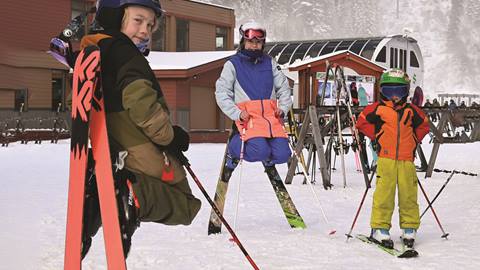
[153,4]
[110,12]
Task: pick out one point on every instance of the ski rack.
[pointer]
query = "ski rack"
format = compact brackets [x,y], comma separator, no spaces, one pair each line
[338,115]
[443,130]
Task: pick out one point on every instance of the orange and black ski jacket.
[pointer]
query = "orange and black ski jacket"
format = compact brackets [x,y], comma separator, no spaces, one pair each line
[396,129]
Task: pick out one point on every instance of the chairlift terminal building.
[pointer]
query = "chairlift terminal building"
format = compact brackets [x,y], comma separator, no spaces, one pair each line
[388,52]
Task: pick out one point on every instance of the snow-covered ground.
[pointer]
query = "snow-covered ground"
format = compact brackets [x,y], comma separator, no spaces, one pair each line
[34,183]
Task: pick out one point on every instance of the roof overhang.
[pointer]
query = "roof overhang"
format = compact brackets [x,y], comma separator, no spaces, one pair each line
[178,65]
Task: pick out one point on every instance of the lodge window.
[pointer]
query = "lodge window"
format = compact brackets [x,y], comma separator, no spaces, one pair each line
[21,100]
[391,57]
[158,37]
[369,49]
[221,38]
[382,55]
[414,60]
[182,35]
[395,59]
[58,90]
[401,59]
[80,7]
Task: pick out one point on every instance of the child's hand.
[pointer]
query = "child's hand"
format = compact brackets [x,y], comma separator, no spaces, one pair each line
[279,113]
[244,116]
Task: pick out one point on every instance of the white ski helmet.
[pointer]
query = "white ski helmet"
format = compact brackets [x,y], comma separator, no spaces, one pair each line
[252,30]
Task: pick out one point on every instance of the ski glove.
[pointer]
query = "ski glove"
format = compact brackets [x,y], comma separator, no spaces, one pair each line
[180,142]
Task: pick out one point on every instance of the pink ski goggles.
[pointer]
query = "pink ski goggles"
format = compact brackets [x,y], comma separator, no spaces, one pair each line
[254,34]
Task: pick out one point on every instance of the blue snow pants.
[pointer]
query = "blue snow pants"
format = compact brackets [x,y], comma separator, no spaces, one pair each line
[272,150]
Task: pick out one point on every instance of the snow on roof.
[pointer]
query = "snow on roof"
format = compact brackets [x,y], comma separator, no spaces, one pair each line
[325,56]
[211,4]
[184,60]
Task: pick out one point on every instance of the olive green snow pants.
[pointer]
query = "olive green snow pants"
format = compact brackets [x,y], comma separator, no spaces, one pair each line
[390,173]
[169,204]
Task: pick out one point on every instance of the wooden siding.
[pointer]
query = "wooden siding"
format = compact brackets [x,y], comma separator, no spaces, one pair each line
[203,109]
[37,81]
[201,36]
[32,24]
[195,11]
[6,99]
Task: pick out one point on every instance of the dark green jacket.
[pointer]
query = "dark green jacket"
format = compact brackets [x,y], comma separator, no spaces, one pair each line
[137,116]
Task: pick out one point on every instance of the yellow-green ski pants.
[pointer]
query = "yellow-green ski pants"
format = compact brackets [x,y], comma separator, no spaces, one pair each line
[391,173]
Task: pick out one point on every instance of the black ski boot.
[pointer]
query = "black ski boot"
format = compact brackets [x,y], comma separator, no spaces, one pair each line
[127,210]
[91,208]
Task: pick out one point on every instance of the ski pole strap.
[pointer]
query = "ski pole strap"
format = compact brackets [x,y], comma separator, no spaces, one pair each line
[455,172]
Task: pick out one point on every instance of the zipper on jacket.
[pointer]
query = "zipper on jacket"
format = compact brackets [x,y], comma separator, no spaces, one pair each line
[398,134]
[269,124]
[406,118]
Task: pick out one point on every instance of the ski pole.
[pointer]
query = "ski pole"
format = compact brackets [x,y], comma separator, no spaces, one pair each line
[185,163]
[438,193]
[309,182]
[349,234]
[445,235]
[242,149]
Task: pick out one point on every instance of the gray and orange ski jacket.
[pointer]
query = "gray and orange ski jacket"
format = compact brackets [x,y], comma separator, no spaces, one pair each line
[258,87]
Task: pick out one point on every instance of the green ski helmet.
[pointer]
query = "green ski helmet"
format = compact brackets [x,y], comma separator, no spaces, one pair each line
[394,83]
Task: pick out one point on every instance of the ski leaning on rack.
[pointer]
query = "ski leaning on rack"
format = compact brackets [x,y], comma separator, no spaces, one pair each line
[404,253]
[291,213]
[88,121]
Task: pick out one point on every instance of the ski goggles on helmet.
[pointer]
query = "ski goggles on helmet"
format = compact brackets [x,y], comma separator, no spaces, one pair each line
[391,91]
[254,34]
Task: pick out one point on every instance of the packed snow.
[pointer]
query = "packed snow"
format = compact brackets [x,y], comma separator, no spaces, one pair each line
[34,202]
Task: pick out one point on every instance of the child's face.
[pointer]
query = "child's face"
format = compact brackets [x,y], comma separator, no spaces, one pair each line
[138,23]
[253,44]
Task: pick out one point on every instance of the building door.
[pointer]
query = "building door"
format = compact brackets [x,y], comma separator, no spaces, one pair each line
[58,90]
[203,108]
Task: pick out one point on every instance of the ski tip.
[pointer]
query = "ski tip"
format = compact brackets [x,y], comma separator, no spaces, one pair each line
[332,232]
[409,253]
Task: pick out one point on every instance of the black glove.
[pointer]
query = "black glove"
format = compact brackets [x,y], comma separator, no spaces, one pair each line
[180,142]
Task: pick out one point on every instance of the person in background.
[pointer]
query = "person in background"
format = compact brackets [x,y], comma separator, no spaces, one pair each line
[354,93]
[363,96]
[397,127]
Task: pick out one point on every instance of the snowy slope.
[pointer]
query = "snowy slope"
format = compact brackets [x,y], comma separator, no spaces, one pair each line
[33,208]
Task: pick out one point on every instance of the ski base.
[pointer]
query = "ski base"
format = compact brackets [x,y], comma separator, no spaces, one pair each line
[404,253]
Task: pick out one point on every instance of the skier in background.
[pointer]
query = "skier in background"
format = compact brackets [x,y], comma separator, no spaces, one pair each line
[138,122]
[253,92]
[397,127]
[363,96]
[354,93]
